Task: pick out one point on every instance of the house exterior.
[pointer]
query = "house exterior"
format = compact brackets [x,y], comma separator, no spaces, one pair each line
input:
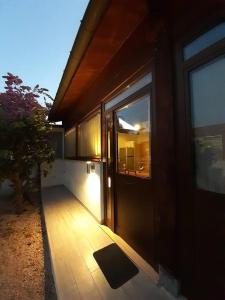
[142,103]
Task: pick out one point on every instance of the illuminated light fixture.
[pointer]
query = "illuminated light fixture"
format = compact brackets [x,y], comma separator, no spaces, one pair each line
[128,126]
[92,168]
[137,127]
[109,182]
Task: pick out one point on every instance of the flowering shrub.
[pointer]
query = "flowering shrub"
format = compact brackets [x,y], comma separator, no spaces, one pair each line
[24,130]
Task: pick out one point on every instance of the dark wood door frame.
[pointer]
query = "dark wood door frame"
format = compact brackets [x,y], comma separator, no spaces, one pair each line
[163,153]
[108,135]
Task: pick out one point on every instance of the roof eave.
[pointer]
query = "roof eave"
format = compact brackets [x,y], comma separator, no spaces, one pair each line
[89,23]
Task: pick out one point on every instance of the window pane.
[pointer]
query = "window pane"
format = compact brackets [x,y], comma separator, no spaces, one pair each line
[207,85]
[55,139]
[89,137]
[131,90]
[133,138]
[207,39]
[70,143]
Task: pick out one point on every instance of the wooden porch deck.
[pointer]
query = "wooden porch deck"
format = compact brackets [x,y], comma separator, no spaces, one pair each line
[73,236]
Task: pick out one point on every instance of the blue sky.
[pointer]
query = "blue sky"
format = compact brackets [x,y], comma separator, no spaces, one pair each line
[36,37]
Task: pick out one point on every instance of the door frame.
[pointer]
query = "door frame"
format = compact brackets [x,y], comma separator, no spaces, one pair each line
[141,92]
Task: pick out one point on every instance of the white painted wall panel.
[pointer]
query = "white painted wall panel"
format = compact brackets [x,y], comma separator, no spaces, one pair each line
[86,187]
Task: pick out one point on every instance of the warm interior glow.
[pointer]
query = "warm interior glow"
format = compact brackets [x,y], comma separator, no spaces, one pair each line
[134,138]
[89,137]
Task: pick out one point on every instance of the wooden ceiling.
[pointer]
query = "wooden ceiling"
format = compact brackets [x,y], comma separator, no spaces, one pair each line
[119,21]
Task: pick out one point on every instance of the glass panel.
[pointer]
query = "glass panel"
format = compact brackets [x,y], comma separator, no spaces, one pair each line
[89,137]
[70,143]
[207,85]
[55,139]
[108,144]
[133,138]
[207,39]
[131,90]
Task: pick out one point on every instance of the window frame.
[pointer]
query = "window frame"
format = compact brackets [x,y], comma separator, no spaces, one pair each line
[184,68]
[131,99]
[86,118]
[197,35]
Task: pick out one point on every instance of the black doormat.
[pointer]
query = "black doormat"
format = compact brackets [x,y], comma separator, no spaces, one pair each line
[115,265]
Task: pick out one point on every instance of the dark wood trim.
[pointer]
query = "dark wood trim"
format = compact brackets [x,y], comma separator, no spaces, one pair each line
[129,100]
[200,59]
[141,72]
[88,158]
[109,171]
[76,140]
[189,196]
[130,80]
[141,92]
[205,25]
[87,117]
[90,114]
[84,159]
[205,55]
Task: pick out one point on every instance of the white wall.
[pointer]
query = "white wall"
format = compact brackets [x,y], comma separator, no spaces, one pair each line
[55,175]
[86,187]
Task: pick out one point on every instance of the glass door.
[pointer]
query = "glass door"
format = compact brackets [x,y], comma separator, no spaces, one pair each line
[133,189]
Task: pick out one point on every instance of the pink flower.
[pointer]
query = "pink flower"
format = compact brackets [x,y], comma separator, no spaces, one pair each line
[19,101]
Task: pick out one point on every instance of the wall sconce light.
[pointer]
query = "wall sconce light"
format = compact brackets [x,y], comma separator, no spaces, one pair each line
[90,167]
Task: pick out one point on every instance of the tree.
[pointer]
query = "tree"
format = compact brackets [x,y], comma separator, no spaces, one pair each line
[24,130]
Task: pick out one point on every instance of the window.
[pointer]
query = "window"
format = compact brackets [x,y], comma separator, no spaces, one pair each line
[207,92]
[70,143]
[133,138]
[207,39]
[128,92]
[55,139]
[89,137]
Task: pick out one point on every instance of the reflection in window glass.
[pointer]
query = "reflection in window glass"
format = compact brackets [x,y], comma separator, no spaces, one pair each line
[89,137]
[207,39]
[133,138]
[207,85]
[70,143]
[55,139]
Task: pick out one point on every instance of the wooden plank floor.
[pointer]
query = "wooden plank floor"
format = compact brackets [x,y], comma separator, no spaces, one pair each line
[74,235]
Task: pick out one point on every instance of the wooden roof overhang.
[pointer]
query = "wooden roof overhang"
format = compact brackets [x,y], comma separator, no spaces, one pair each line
[106,26]
[113,35]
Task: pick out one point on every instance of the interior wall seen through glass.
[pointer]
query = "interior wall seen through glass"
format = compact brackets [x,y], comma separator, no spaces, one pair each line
[133,138]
